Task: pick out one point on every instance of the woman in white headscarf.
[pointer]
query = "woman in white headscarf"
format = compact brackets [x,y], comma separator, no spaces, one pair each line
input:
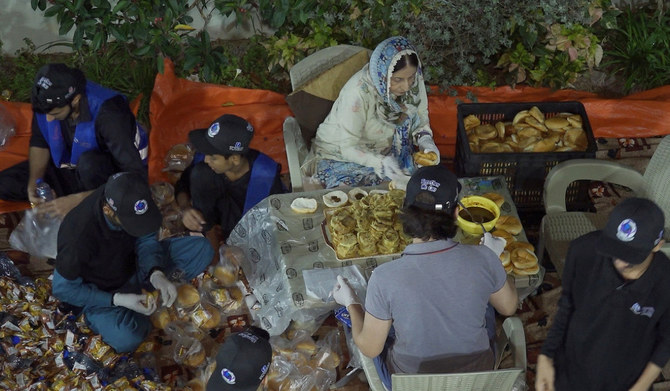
[377,120]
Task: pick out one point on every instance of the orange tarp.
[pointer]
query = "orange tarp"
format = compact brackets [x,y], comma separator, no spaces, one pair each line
[179,105]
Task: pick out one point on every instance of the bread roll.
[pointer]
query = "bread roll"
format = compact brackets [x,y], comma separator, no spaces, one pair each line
[505,258]
[226,275]
[356,194]
[307,346]
[425,159]
[335,199]
[528,271]
[537,125]
[495,197]
[486,132]
[304,205]
[510,224]
[509,268]
[471,122]
[195,359]
[161,318]
[214,319]
[523,258]
[545,145]
[576,137]
[491,147]
[500,127]
[521,115]
[556,122]
[187,295]
[514,245]
[501,233]
[537,114]
[575,120]
[529,132]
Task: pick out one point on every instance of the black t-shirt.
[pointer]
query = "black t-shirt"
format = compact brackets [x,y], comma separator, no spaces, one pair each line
[115,131]
[90,249]
[607,328]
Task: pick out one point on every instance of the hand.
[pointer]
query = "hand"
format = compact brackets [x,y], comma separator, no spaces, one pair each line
[343,294]
[168,290]
[399,182]
[60,206]
[32,197]
[427,144]
[496,244]
[390,168]
[192,219]
[137,303]
[545,374]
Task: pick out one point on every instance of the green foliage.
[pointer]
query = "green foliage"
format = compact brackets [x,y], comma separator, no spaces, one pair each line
[641,49]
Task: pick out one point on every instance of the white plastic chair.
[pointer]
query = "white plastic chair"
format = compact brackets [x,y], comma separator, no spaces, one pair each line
[302,72]
[560,226]
[511,338]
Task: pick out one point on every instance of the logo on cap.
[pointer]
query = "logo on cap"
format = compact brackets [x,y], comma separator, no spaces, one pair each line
[213,129]
[249,127]
[228,376]
[110,202]
[44,82]
[236,147]
[264,370]
[430,185]
[141,207]
[626,230]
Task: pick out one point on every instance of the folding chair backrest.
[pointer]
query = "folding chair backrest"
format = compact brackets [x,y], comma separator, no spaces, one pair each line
[657,180]
[502,380]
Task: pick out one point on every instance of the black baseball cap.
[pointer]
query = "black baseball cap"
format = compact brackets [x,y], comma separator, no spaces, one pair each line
[128,194]
[433,188]
[227,135]
[55,86]
[633,229]
[242,362]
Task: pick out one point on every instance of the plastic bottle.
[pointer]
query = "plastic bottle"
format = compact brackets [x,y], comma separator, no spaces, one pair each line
[43,190]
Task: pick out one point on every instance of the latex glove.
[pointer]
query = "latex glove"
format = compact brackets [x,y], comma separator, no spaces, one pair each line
[496,244]
[399,182]
[168,290]
[343,294]
[137,303]
[390,168]
[427,144]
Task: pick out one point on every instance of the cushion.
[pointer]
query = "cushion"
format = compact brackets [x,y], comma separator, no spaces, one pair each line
[312,101]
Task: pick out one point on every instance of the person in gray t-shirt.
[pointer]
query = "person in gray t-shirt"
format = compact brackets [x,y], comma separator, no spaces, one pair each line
[425,312]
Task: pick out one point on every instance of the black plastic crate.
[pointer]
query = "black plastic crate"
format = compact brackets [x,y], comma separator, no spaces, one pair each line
[524,171]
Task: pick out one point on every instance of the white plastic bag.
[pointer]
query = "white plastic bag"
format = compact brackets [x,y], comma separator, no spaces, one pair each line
[36,234]
[7,126]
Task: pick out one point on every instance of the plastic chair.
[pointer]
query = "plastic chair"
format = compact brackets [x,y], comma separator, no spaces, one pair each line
[559,226]
[302,72]
[512,338]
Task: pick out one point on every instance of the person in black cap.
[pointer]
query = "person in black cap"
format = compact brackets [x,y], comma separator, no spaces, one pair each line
[242,362]
[445,284]
[81,134]
[226,178]
[96,268]
[612,328]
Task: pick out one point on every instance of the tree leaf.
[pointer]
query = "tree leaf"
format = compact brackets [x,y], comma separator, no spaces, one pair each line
[53,10]
[120,6]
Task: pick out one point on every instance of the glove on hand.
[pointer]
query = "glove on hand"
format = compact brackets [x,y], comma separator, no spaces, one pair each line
[427,144]
[390,168]
[400,182]
[168,290]
[496,244]
[137,303]
[343,294]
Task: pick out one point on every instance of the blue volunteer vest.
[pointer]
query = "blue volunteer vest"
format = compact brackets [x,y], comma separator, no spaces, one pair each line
[84,134]
[260,181]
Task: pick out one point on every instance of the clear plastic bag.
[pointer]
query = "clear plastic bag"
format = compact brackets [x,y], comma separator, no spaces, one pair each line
[36,234]
[7,126]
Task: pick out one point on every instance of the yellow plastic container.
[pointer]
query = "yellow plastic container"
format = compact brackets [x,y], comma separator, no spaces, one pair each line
[482,202]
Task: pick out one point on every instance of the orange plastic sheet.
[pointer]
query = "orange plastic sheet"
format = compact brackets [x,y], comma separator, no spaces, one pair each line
[16,149]
[643,114]
[178,106]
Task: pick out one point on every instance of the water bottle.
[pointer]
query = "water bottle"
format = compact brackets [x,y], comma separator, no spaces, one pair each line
[43,190]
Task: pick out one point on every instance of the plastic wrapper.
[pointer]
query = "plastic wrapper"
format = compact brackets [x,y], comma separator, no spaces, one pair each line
[226,270]
[7,126]
[179,157]
[36,234]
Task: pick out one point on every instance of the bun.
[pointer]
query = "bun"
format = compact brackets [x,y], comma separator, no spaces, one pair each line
[501,233]
[545,145]
[161,318]
[486,132]
[500,127]
[505,258]
[509,268]
[356,194]
[537,114]
[304,205]
[495,197]
[556,123]
[335,199]
[471,122]
[575,137]
[187,295]
[195,359]
[214,319]
[307,345]
[510,224]
[425,159]
[527,272]
[523,258]
[225,275]
[514,245]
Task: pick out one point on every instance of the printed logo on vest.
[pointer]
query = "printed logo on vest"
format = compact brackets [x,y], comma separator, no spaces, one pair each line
[637,309]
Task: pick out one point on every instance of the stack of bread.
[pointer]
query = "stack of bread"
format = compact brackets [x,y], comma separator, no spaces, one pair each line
[518,257]
[529,131]
[368,225]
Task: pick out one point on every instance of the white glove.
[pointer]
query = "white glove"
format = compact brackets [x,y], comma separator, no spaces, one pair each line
[343,294]
[427,144]
[390,168]
[168,290]
[137,303]
[496,244]
[399,182]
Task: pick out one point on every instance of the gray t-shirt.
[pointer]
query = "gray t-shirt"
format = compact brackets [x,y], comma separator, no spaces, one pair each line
[436,294]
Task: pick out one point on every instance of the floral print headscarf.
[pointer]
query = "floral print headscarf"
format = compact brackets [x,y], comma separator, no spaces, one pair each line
[400,112]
